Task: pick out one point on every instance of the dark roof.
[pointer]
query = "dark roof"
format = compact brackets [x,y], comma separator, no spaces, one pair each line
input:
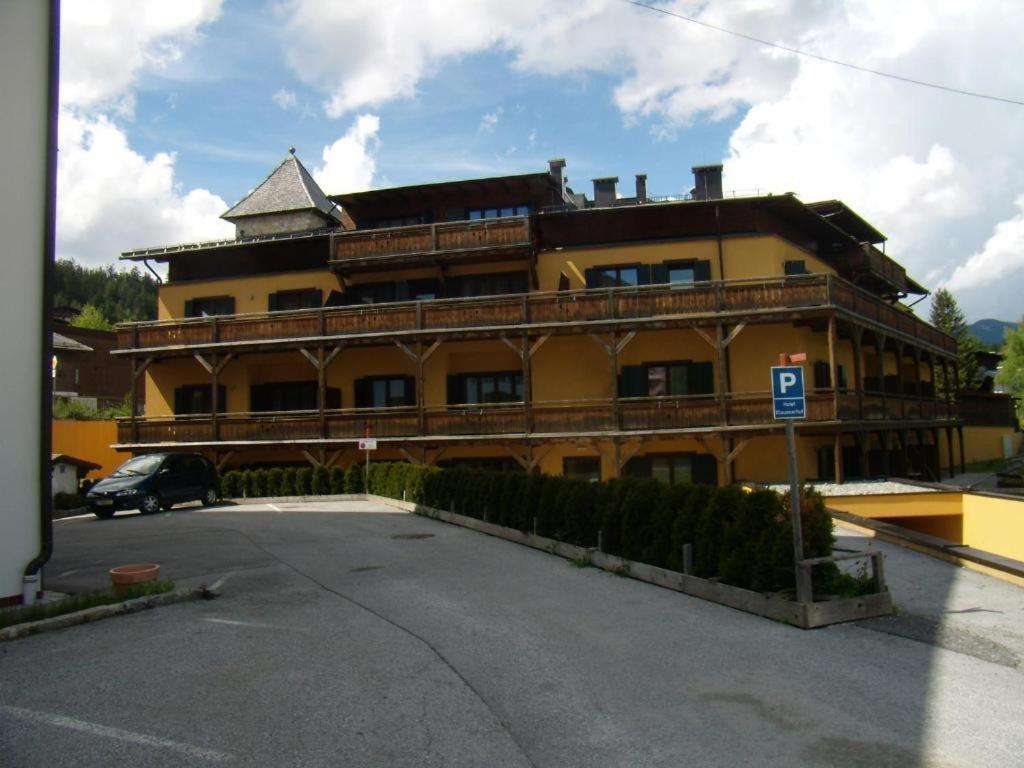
[842,216]
[63,458]
[63,342]
[288,188]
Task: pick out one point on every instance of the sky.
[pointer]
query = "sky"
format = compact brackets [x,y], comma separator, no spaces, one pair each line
[170,112]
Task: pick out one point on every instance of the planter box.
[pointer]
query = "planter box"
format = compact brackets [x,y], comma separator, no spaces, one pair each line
[770,605]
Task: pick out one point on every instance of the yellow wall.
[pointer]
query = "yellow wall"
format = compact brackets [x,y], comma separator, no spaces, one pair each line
[994,524]
[251,293]
[752,256]
[898,504]
[89,440]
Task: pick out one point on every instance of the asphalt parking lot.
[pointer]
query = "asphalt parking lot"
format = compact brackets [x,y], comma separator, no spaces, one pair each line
[352,634]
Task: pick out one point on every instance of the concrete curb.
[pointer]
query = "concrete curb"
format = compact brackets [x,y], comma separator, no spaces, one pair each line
[768,605]
[99,612]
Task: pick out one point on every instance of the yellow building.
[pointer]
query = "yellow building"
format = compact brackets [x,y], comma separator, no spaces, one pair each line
[514,322]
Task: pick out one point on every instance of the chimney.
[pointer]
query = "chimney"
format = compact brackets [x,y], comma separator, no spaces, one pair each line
[641,187]
[556,169]
[707,182]
[604,191]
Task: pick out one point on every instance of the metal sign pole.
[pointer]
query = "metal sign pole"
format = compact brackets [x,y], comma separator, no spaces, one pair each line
[790,408]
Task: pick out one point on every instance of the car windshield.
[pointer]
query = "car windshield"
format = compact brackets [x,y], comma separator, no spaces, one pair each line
[140,465]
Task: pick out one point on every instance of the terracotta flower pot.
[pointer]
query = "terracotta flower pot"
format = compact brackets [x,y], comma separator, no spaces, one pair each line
[124,576]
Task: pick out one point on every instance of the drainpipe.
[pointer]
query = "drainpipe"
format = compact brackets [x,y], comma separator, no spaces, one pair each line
[31,579]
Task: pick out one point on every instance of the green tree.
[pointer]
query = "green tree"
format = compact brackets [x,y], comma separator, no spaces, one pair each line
[1011,372]
[947,317]
[91,317]
[120,295]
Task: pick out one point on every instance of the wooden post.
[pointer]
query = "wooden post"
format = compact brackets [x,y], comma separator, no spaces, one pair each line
[960,439]
[837,457]
[526,356]
[886,439]
[949,450]
[613,356]
[321,382]
[833,371]
[215,405]
[880,352]
[421,416]
[900,387]
[723,410]
[858,378]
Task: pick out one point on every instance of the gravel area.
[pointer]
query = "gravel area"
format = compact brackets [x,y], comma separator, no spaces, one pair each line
[860,488]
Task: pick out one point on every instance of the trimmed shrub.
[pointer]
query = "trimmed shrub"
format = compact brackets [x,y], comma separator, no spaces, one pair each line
[274,476]
[354,478]
[336,480]
[287,481]
[717,517]
[231,484]
[303,481]
[743,540]
[640,504]
[320,484]
[245,483]
[257,483]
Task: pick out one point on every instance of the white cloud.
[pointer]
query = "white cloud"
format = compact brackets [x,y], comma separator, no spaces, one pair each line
[106,44]
[1001,256]
[111,198]
[490,120]
[349,163]
[285,99]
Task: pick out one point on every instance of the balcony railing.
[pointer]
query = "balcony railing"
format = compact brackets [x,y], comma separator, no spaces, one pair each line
[453,237]
[550,312]
[574,418]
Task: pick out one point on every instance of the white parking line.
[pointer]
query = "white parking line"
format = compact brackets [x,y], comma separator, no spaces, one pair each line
[275,507]
[142,739]
[235,623]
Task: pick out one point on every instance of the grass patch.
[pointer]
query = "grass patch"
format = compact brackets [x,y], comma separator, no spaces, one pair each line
[81,602]
[581,562]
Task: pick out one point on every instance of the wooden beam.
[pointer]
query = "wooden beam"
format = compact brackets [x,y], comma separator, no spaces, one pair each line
[431,349]
[706,336]
[627,451]
[539,343]
[310,458]
[624,341]
[734,333]
[833,373]
[601,343]
[139,369]
[314,361]
[333,459]
[412,355]
[737,450]
[523,462]
[207,366]
[408,456]
[223,460]
[520,351]
[537,455]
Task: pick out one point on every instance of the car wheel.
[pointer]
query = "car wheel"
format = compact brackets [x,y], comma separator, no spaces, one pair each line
[210,497]
[104,514]
[150,503]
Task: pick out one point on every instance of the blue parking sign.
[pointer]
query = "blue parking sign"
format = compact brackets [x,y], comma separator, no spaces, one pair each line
[788,392]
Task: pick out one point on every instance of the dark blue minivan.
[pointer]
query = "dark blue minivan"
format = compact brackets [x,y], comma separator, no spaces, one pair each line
[155,481]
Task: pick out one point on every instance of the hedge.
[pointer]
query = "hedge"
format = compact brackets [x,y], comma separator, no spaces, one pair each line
[743,538]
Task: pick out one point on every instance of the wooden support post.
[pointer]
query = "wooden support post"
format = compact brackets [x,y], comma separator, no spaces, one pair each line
[900,384]
[886,439]
[313,460]
[222,459]
[963,456]
[949,451]
[880,353]
[527,384]
[862,449]
[837,458]
[833,369]
[858,377]
[613,357]
[723,408]
[133,394]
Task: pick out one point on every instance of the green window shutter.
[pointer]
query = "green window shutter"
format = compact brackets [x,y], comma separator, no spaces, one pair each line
[272,302]
[333,398]
[701,270]
[633,381]
[410,390]
[180,401]
[317,297]
[222,399]
[593,278]
[701,379]
[189,308]
[659,274]
[402,290]
[362,391]
[229,305]
[705,469]
[643,274]
[456,389]
[822,378]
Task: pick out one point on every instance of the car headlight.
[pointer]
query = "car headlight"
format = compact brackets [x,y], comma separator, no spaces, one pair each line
[127,492]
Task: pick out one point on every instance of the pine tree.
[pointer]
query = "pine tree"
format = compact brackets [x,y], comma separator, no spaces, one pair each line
[947,317]
[1011,372]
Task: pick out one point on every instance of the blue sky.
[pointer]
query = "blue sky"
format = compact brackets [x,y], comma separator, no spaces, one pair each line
[172,112]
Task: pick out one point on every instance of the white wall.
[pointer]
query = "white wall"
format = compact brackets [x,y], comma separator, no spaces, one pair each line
[24,84]
[65,479]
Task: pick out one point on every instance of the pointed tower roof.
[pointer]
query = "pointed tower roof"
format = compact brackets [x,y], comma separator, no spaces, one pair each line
[288,188]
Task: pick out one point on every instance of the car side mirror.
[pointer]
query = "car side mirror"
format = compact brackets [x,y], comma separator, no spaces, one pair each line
[164,470]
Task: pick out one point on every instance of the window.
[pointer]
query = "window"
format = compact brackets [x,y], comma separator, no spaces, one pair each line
[397,221]
[289,396]
[667,379]
[475,388]
[210,306]
[617,276]
[195,399]
[582,468]
[497,212]
[675,468]
[385,391]
[282,301]
[681,274]
[795,267]
[823,377]
[488,285]
[371,293]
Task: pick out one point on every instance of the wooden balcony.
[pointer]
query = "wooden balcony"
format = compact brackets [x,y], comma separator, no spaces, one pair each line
[455,240]
[541,420]
[564,312]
